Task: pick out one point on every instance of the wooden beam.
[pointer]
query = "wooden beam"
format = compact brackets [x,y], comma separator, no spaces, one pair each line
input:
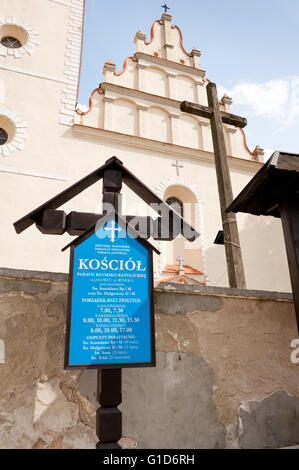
[52,222]
[55,222]
[197,109]
[289,213]
[233,120]
[112,182]
[231,236]
[207,112]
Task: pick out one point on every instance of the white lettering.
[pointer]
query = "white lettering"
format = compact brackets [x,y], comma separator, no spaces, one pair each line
[295,354]
[113,265]
[91,262]
[82,263]
[110,265]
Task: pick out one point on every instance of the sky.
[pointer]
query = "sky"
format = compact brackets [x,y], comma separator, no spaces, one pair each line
[249,49]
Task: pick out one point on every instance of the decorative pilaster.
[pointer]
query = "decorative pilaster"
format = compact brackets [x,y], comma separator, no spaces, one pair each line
[259,154]
[226,102]
[172,86]
[139,41]
[141,77]
[195,54]
[167,36]
[207,143]
[109,70]
[229,131]
[200,92]
[108,103]
[142,125]
[174,129]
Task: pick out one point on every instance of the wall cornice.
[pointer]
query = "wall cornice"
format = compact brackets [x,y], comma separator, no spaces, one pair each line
[105,86]
[170,64]
[111,137]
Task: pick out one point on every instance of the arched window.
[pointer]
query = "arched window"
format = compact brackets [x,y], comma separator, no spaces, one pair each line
[176,204]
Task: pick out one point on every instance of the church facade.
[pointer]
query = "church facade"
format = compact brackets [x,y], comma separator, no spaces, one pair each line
[49,142]
[226,372]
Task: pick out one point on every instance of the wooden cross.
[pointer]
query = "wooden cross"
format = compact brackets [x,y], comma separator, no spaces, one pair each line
[165,7]
[231,235]
[178,166]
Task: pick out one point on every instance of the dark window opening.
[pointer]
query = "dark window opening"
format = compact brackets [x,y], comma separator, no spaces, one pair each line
[176,204]
[10,42]
[3,136]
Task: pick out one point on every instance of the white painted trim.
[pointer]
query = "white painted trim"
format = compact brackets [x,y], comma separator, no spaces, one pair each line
[72,60]
[32,73]
[36,174]
[28,47]
[20,133]
[105,135]
[62,2]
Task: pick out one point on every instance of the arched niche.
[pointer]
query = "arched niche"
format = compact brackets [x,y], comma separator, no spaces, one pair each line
[156,82]
[125,117]
[186,89]
[192,252]
[158,124]
[189,132]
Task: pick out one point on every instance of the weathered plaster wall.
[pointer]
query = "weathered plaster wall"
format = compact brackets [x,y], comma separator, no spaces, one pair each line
[223,378]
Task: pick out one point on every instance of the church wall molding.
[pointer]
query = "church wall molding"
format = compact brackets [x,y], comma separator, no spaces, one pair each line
[33,73]
[133,141]
[169,63]
[32,173]
[140,94]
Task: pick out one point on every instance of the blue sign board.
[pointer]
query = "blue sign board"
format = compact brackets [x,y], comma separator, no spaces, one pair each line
[110,316]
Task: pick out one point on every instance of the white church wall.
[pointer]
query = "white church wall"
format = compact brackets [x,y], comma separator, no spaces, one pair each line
[189,132]
[125,117]
[158,124]
[136,129]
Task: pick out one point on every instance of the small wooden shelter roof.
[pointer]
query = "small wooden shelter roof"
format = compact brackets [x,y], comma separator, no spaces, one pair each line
[280,174]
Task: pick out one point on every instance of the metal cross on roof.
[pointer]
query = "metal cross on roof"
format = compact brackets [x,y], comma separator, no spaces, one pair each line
[180,259]
[165,7]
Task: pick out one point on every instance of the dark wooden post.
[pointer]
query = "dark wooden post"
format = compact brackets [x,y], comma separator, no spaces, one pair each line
[231,235]
[108,416]
[289,213]
[109,396]
[217,117]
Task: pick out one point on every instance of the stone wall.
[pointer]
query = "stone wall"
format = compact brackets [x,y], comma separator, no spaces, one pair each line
[224,378]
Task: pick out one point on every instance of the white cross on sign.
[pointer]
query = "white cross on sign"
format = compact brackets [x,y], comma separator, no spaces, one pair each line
[113,229]
[178,166]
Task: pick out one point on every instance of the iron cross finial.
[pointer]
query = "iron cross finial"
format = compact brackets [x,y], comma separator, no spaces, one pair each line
[165,7]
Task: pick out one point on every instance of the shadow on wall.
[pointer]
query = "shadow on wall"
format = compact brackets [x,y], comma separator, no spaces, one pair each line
[264,255]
